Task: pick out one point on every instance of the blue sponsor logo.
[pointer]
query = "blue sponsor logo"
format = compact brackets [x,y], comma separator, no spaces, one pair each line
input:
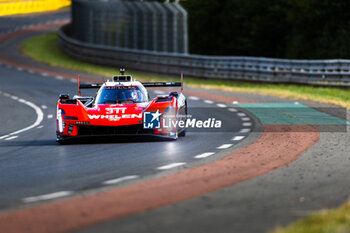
[151,120]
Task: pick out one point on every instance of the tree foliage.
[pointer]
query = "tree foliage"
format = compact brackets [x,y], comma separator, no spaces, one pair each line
[312,29]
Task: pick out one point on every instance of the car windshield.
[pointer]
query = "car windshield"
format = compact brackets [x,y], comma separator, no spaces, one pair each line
[122,95]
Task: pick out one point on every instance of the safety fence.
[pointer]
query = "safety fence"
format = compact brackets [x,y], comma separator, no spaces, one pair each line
[314,72]
[143,25]
[13,7]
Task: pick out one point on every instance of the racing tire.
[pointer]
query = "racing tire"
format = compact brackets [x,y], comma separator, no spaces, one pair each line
[183,133]
[61,142]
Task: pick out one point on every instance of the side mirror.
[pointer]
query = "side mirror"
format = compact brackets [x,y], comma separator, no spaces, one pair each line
[174,93]
[64,96]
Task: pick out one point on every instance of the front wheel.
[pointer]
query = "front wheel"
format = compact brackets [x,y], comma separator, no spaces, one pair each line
[61,142]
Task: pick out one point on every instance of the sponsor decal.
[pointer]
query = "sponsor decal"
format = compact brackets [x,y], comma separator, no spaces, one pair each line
[115,114]
[115,117]
[156,120]
[115,110]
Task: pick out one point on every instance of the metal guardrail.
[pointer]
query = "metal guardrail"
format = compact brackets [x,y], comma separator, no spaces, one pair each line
[313,72]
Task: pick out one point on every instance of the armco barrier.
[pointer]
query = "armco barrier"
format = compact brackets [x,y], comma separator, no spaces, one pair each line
[12,7]
[313,72]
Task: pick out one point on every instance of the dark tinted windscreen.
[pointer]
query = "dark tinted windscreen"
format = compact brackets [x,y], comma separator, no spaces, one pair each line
[121,95]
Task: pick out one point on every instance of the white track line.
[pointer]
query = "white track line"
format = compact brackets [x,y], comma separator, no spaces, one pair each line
[238,138]
[241,114]
[59,77]
[121,179]
[245,119]
[39,113]
[244,130]
[4,136]
[193,98]
[46,196]
[171,165]
[235,102]
[40,117]
[49,116]
[40,126]
[204,155]
[247,124]
[232,109]
[14,97]
[73,80]
[221,105]
[159,92]
[11,138]
[45,74]
[224,146]
[43,106]
[208,101]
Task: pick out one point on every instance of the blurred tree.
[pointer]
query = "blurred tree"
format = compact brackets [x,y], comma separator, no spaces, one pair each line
[271,28]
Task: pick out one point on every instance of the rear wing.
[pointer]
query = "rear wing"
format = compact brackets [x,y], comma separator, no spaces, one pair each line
[162,84]
[165,84]
[89,86]
[145,84]
[148,84]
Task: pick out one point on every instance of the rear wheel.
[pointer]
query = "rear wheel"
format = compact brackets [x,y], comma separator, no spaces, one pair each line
[182,133]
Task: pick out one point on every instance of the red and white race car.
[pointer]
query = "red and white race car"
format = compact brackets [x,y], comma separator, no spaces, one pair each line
[121,107]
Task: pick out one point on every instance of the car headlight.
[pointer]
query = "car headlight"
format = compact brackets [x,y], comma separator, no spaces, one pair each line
[60,122]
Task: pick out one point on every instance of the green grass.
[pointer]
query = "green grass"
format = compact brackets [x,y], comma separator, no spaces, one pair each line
[44,48]
[326,221]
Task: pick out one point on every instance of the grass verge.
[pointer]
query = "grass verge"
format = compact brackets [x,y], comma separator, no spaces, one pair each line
[326,221]
[44,48]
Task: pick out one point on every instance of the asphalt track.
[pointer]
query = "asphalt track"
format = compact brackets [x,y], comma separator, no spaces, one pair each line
[48,168]
[32,164]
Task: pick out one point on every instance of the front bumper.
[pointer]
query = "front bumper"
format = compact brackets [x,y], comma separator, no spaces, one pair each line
[105,131]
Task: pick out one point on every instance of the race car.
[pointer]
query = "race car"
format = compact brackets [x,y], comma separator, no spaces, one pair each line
[121,106]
